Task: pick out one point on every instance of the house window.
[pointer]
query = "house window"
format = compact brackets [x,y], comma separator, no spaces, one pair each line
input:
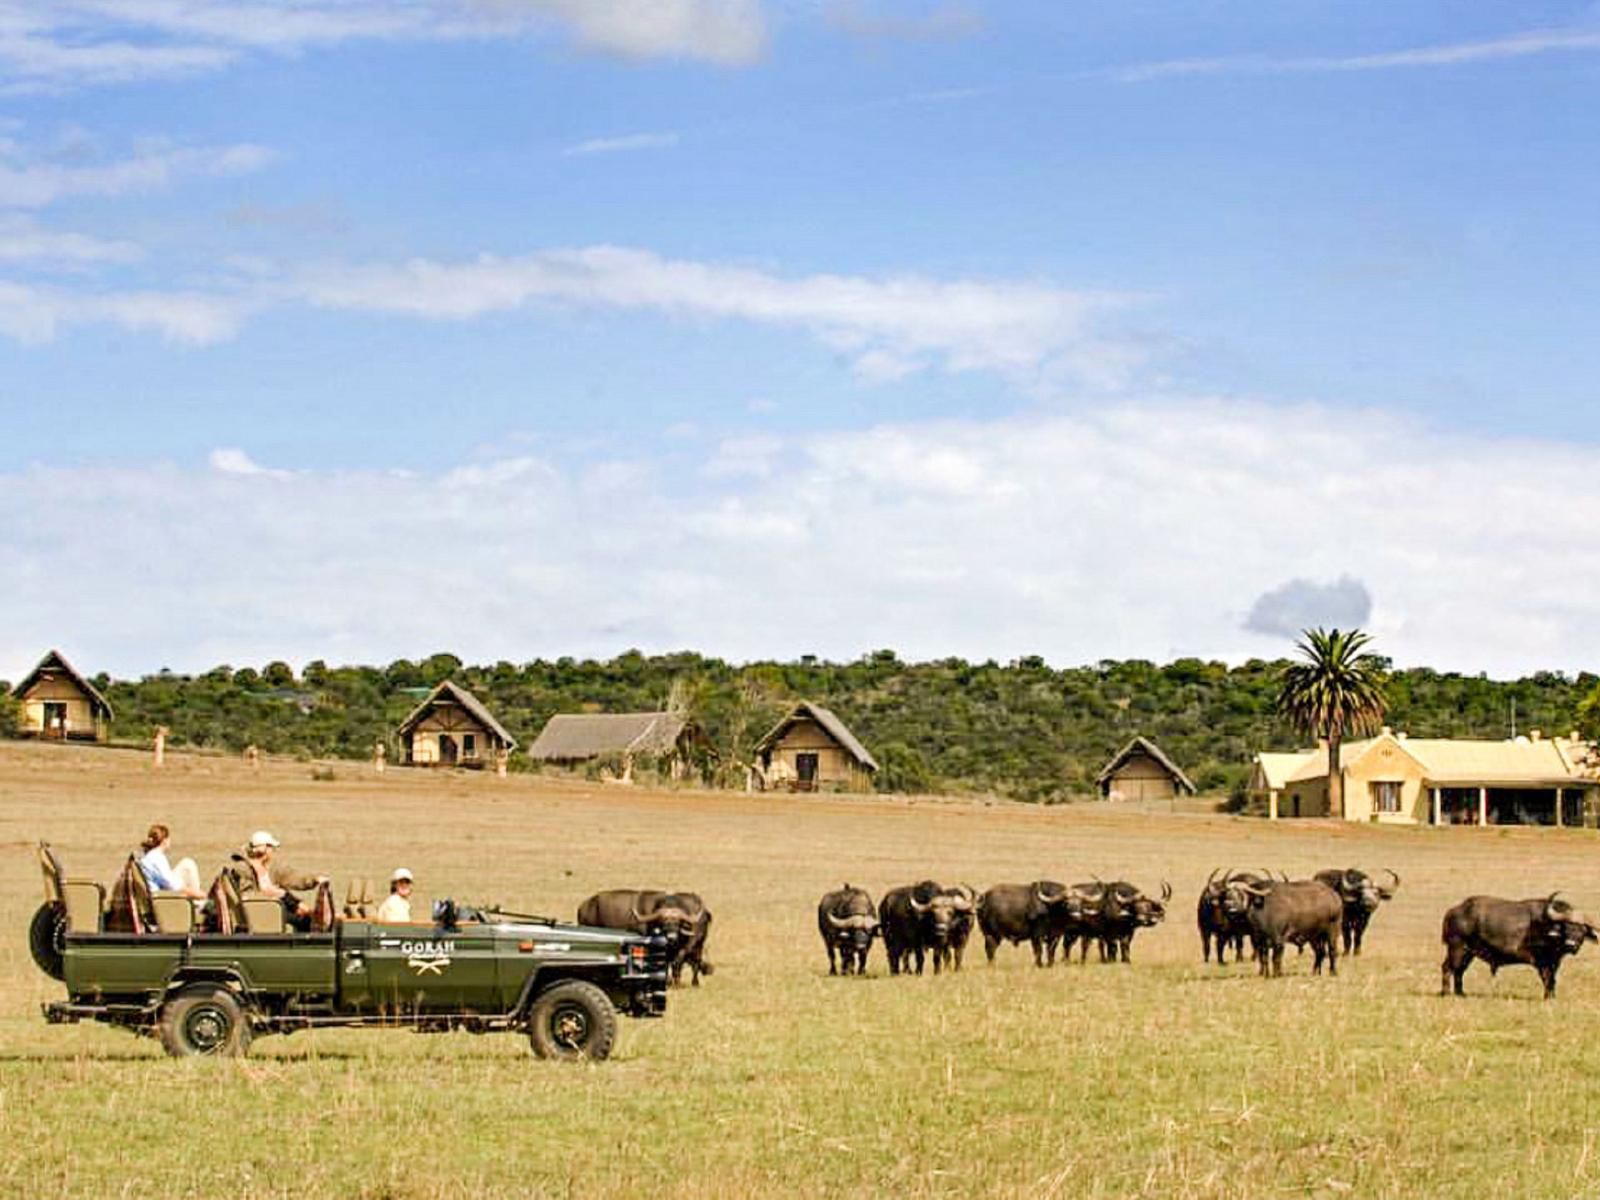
[1386,797]
[469,745]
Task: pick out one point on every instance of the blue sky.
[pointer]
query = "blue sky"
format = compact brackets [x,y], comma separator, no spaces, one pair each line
[786,326]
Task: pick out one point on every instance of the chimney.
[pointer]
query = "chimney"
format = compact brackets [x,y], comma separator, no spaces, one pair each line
[1536,735]
[1401,736]
[1386,732]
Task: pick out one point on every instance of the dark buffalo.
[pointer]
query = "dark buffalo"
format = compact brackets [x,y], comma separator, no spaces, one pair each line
[1361,894]
[1281,913]
[1537,933]
[847,921]
[1216,923]
[680,917]
[1036,912]
[925,919]
[1121,910]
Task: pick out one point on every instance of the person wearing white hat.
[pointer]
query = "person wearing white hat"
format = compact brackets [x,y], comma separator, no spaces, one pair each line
[396,907]
[259,874]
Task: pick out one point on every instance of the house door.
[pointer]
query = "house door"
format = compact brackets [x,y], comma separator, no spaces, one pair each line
[805,769]
[448,754]
[55,719]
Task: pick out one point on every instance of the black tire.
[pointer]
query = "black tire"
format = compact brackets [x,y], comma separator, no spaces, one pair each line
[204,1019]
[572,1020]
[47,939]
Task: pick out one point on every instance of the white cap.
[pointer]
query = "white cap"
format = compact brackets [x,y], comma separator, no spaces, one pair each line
[399,874]
[262,838]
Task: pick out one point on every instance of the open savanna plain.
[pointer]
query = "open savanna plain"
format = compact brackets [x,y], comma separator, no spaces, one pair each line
[1163,1078]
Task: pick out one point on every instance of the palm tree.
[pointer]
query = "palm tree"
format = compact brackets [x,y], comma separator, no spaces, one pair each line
[1336,690]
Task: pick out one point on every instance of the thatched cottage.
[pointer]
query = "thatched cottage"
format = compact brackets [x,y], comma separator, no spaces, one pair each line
[811,750]
[1141,770]
[57,702]
[452,728]
[574,739]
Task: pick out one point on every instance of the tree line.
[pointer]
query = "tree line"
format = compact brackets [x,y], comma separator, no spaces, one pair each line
[1021,729]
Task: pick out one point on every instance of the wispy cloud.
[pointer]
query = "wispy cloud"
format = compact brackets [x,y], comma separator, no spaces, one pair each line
[33,182]
[77,43]
[621,145]
[1518,45]
[22,239]
[888,326]
[34,314]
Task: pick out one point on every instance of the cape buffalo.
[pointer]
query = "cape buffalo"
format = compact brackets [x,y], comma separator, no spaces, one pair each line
[1034,912]
[1538,933]
[680,917]
[1122,910]
[1282,912]
[924,919]
[847,921]
[1361,895]
[1216,922]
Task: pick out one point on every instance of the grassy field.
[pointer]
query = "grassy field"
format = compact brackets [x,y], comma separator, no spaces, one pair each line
[1164,1078]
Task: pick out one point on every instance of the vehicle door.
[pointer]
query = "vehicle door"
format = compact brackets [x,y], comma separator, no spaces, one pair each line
[426,968]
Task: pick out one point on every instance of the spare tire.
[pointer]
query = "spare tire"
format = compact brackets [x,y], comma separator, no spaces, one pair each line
[47,939]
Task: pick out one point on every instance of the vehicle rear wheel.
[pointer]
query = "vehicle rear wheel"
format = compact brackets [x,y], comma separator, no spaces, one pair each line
[572,1020]
[47,939]
[204,1020]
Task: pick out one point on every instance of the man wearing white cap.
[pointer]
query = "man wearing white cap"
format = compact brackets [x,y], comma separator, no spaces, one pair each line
[258,873]
[396,907]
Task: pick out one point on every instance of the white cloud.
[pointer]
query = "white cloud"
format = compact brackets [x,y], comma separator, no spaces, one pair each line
[1131,530]
[33,315]
[888,326]
[74,43]
[25,240]
[35,183]
[1517,45]
[233,461]
[623,144]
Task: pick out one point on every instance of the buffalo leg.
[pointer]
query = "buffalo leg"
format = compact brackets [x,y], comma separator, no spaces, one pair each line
[991,944]
[1205,945]
[1333,954]
[1320,948]
[1547,976]
[832,966]
[1457,959]
[1277,961]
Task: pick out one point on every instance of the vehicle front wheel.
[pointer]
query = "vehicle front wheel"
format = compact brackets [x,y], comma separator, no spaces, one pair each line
[204,1019]
[572,1020]
[47,939]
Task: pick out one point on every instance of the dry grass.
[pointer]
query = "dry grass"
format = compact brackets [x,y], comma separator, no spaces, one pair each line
[1165,1078]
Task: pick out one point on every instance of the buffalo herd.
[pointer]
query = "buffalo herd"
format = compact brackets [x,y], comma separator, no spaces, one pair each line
[919,922]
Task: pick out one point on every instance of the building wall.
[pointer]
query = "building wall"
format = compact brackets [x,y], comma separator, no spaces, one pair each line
[1386,763]
[425,737]
[81,722]
[1141,778]
[835,766]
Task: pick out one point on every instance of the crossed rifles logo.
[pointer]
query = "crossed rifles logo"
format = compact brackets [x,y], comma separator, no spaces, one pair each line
[428,966]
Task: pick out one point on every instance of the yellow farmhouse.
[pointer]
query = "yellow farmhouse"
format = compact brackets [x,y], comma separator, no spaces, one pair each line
[811,750]
[57,702]
[452,728]
[1402,780]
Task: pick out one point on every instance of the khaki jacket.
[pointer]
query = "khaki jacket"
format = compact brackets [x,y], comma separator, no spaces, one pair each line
[280,872]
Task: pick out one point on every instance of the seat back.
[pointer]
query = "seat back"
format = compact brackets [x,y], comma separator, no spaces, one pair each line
[130,910]
[226,911]
[85,903]
[322,915]
[54,876]
[263,915]
[174,912]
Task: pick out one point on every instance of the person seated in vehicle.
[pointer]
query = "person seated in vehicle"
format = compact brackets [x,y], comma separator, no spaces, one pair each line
[161,873]
[258,872]
[396,907]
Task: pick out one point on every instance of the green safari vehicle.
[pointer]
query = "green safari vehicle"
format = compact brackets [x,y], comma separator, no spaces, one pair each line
[149,964]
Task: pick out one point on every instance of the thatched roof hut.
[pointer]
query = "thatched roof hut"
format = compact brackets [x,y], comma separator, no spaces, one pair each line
[452,728]
[812,749]
[58,702]
[1141,770]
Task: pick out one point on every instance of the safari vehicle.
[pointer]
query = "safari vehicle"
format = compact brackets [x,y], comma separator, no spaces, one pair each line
[207,982]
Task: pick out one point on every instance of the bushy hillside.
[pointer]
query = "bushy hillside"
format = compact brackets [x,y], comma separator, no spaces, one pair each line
[1022,729]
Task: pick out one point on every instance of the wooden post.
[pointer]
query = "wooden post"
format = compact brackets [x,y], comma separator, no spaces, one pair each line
[161,746]
[1561,795]
[1438,809]
[252,757]
[379,752]
[501,757]
[1483,806]
[1272,804]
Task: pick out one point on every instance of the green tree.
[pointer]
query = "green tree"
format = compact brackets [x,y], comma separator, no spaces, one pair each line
[1336,689]
[10,711]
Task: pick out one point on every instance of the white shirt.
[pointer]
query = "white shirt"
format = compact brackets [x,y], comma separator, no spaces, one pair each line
[395,910]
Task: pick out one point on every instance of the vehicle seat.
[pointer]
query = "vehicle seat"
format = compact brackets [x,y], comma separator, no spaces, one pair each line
[358,899]
[85,903]
[174,912]
[227,913]
[263,915]
[130,910]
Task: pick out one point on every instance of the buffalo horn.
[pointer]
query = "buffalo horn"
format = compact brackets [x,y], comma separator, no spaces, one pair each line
[1166,890]
[1257,889]
[917,908]
[838,922]
[1395,875]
